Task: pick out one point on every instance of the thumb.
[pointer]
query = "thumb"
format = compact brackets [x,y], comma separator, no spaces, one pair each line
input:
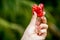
[33,20]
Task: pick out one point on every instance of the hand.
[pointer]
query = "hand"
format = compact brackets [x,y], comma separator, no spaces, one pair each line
[36,30]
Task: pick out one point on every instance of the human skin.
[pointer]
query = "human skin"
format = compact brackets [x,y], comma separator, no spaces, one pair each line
[36,30]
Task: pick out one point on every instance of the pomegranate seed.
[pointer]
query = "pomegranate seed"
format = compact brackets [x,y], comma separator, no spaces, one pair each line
[38,9]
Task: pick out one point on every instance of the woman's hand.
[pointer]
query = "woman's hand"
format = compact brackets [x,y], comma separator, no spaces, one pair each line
[37,29]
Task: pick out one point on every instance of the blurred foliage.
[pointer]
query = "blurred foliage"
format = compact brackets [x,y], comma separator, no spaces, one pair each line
[15,16]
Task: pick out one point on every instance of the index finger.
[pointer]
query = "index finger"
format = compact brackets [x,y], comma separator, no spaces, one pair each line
[43,20]
[44,13]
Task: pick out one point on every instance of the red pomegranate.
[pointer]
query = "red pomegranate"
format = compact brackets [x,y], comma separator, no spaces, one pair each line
[38,9]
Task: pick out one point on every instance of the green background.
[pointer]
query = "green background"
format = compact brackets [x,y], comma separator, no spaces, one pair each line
[15,15]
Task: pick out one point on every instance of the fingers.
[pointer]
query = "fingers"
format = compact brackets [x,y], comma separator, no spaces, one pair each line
[44,13]
[43,20]
[33,20]
[43,26]
[43,31]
